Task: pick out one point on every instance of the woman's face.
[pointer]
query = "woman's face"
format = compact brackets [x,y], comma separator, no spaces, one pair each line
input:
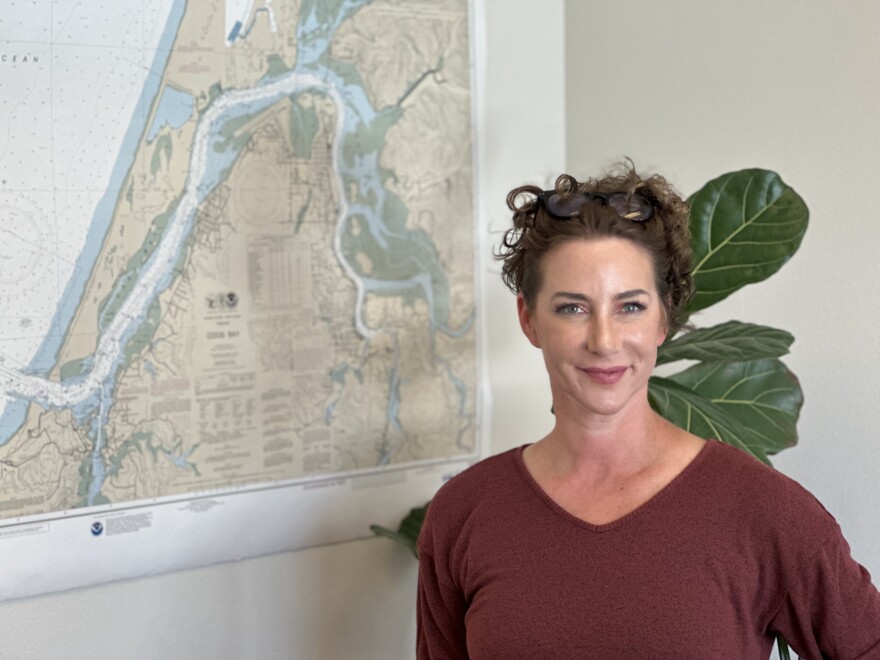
[598,319]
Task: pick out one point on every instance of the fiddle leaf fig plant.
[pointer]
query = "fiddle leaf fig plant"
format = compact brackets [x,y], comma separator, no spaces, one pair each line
[744,226]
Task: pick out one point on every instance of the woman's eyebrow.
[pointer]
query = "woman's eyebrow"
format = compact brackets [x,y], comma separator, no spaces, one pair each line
[631,293]
[570,295]
[580,296]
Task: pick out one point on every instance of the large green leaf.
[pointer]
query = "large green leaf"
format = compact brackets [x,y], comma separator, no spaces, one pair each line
[697,414]
[407,534]
[762,395]
[744,226]
[733,340]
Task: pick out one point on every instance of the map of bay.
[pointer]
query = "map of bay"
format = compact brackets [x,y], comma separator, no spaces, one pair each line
[284,285]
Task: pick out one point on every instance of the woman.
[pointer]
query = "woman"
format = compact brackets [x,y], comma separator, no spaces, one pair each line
[620,535]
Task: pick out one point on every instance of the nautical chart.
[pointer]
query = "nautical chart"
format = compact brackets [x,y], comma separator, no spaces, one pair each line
[237,255]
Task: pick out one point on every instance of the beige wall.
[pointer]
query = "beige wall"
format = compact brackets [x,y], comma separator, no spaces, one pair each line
[695,89]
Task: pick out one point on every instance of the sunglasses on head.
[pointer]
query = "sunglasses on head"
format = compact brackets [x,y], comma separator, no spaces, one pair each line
[566,205]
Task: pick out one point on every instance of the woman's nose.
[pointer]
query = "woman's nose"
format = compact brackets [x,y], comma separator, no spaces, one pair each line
[603,338]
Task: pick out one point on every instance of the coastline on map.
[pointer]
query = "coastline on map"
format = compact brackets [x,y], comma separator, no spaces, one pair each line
[14,412]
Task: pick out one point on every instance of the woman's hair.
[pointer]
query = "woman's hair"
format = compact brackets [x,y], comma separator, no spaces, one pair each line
[665,235]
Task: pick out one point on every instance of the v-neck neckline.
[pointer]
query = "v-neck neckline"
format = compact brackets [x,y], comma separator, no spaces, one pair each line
[671,487]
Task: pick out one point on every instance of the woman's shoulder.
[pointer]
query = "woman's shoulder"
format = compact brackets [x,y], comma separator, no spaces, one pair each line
[481,478]
[755,477]
[765,494]
[472,495]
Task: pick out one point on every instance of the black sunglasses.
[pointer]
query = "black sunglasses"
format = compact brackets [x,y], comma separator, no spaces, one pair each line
[635,207]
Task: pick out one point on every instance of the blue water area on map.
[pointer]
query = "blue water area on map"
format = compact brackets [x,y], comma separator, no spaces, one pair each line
[233,33]
[393,408]
[46,356]
[313,36]
[12,419]
[242,32]
[96,411]
[174,110]
[180,460]
[313,40]
[222,149]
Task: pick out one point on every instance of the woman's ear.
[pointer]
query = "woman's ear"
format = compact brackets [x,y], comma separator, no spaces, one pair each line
[526,322]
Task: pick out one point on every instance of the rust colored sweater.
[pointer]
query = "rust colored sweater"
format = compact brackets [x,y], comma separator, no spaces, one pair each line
[728,554]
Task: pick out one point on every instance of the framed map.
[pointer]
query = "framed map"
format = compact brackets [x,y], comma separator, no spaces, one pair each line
[237,277]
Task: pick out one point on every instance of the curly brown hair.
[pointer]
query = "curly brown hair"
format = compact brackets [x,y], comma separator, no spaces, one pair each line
[665,236]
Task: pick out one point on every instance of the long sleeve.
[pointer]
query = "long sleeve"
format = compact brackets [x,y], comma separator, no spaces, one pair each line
[440,615]
[833,610]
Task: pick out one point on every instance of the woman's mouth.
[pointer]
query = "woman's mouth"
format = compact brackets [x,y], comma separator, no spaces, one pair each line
[606,376]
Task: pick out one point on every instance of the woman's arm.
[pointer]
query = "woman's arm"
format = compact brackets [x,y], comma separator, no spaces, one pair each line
[440,614]
[832,610]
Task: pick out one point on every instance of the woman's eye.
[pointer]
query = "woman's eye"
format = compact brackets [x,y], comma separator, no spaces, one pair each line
[631,307]
[568,308]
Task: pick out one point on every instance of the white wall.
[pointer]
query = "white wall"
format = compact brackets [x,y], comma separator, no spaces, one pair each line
[354,600]
[695,89]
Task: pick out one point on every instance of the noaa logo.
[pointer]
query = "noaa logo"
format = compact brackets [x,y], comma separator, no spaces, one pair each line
[226,300]
[97,528]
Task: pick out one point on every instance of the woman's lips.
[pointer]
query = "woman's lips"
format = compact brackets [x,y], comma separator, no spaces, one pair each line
[607,376]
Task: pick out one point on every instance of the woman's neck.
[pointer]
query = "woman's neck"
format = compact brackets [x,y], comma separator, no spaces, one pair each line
[603,445]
